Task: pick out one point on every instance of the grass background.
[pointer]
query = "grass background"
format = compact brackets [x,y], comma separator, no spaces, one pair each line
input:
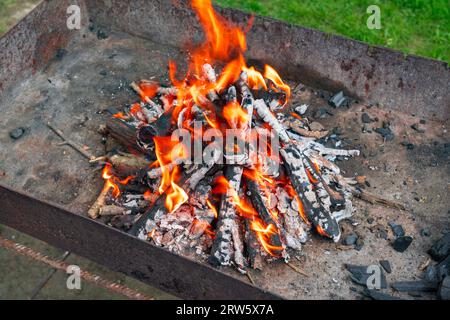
[419,27]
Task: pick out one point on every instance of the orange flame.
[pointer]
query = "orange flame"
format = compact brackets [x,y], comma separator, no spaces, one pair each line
[176,196]
[222,39]
[167,151]
[271,74]
[213,208]
[255,79]
[263,232]
[148,90]
[111,181]
[235,115]
[290,190]
[223,186]
[120,115]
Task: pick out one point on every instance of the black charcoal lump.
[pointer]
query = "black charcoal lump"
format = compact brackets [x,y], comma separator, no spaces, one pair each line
[402,243]
[17,133]
[441,248]
[362,275]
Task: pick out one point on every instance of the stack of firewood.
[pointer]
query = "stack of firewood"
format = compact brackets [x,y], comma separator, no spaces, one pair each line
[236,207]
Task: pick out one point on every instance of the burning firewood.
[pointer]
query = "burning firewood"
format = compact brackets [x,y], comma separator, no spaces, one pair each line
[242,203]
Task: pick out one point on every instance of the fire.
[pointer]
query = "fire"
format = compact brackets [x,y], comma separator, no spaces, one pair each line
[235,115]
[176,196]
[245,209]
[263,233]
[222,39]
[225,44]
[290,190]
[213,208]
[255,79]
[230,73]
[120,115]
[167,152]
[111,182]
[148,90]
[270,73]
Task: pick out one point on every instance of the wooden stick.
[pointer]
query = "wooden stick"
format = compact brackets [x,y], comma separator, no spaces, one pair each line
[94,211]
[70,143]
[297,269]
[375,199]
[295,126]
[161,90]
[250,278]
[111,210]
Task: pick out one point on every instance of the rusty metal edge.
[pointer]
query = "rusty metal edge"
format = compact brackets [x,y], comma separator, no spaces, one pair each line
[121,252]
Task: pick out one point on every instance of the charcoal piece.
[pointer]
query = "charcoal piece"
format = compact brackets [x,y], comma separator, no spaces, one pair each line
[397,229]
[386,265]
[360,275]
[102,34]
[350,239]
[415,286]
[408,145]
[402,243]
[338,100]
[365,118]
[439,271]
[124,222]
[444,289]
[386,133]
[17,133]
[441,248]
[418,128]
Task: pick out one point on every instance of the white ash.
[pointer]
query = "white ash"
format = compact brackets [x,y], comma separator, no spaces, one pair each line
[301,110]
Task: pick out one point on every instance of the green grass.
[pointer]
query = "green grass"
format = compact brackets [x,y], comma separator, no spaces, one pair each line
[12,10]
[420,27]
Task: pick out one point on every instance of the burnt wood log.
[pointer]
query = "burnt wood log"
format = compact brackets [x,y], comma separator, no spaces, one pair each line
[295,233]
[123,132]
[228,242]
[316,213]
[140,139]
[227,237]
[253,247]
[259,205]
